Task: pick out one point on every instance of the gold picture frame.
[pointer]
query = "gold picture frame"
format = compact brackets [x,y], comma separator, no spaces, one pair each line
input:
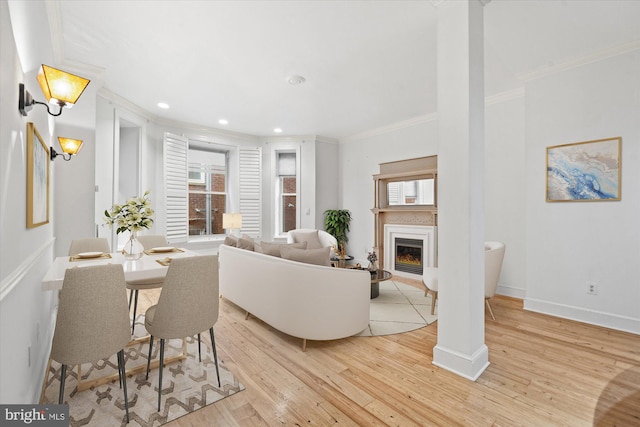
[588,171]
[37,178]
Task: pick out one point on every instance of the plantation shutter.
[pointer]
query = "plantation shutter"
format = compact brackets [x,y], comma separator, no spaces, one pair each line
[176,188]
[251,190]
[393,193]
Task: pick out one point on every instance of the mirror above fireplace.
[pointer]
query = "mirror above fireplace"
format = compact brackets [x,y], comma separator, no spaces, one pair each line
[415,192]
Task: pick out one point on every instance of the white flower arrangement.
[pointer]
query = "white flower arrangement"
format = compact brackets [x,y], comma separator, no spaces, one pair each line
[135,215]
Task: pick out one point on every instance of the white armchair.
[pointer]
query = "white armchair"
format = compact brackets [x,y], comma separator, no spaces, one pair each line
[308,235]
[430,280]
[493,256]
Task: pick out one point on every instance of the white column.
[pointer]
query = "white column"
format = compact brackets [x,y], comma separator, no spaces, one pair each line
[461,347]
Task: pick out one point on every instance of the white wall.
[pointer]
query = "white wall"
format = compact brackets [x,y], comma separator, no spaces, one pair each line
[26,313]
[74,188]
[505,191]
[327,184]
[359,160]
[570,244]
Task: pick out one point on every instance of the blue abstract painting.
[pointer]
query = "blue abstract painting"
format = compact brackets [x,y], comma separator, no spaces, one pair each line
[584,171]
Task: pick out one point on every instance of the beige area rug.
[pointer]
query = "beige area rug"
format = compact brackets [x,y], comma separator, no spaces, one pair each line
[399,308]
[188,385]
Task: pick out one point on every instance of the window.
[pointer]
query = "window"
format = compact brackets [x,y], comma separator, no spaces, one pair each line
[207,191]
[286,191]
[416,192]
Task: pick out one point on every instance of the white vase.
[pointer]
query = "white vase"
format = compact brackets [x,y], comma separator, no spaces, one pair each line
[133,249]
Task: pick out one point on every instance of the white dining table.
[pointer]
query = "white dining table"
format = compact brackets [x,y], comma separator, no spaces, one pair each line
[147,267]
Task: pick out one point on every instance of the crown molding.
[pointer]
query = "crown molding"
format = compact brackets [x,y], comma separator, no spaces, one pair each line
[437,3]
[161,121]
[57,42]
[504,96]
[126,104]
[578,61]
[426,118]
[297,139]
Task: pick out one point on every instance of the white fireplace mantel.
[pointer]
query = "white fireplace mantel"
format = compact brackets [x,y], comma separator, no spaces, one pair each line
[425,233]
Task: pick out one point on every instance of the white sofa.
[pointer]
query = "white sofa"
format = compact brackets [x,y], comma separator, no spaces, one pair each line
[302,300]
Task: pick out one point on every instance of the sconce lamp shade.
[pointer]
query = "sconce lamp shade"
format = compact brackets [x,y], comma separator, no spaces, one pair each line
[59,87]
[231,220]
[69,145]
[69,148]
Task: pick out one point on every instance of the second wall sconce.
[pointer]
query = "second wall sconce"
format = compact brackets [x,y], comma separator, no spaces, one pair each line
[59,87]
[69,147]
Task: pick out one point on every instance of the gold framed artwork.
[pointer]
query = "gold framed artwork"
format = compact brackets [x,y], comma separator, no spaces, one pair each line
[586,171]
[37,178]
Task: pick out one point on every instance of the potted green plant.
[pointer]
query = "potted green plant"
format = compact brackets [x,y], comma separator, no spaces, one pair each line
[336,223]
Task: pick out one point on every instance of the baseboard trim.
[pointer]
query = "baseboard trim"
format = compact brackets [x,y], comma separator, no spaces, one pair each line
[510,291]
[12,280]
[469,367]
[579,314]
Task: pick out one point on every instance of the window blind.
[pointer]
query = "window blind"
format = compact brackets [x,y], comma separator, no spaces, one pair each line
[251,190]
[176,188]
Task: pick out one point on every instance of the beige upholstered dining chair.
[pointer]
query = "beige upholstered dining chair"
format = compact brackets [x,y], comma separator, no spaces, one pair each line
[93,321]
[151,241]
[430,280]
[90,244]
[188,305]
[148,242]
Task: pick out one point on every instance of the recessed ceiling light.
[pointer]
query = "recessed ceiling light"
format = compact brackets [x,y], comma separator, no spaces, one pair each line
[277,130]
[223,121]
[296,80]
[163,105]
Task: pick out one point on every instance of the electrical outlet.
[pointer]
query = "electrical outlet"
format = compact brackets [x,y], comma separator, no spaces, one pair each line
[592,288]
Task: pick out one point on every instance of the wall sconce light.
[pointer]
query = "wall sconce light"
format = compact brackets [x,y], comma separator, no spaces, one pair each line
[59,87]
[69,146]
[232,221]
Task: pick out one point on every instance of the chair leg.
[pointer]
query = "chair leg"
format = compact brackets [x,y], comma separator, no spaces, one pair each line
[199,349]
[135,306]
[215,354]
[123,380]
[149,358]
[161,367]
[489,307]
[44,383]
[130,297]
[63,375]
[434,298]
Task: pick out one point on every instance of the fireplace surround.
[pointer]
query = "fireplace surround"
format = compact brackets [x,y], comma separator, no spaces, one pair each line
[408,221]
[412,238]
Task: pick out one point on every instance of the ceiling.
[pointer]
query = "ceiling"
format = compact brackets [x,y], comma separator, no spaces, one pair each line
[367,64]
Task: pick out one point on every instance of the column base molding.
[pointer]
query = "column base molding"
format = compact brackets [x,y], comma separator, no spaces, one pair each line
[466,366]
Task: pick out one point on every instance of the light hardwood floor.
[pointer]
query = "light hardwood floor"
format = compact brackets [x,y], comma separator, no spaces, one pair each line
[544,371]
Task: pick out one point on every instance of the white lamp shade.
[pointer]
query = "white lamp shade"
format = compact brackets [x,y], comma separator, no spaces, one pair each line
[231,220]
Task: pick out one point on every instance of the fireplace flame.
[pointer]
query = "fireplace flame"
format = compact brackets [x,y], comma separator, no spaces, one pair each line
[408,259]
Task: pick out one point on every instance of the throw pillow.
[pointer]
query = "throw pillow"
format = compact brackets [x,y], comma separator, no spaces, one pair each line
[231,241]
[245,242]
[273,249]
[311,237]
[309,256]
